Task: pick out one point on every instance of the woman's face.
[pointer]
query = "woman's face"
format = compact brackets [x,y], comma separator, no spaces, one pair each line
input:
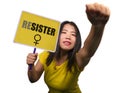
[67,37]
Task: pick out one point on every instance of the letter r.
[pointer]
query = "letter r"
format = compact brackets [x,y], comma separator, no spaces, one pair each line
[24,25]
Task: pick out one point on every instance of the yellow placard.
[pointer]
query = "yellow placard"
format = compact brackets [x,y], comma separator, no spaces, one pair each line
[37,31]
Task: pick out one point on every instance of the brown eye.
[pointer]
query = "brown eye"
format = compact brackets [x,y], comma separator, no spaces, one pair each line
[74,34]
[63,32]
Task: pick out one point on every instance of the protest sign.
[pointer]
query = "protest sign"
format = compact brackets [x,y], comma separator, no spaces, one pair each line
[37,31]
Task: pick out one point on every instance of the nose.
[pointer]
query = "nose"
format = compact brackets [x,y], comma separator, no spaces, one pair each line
[68,36]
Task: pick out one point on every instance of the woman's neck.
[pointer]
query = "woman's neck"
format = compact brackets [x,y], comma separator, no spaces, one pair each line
[63,57]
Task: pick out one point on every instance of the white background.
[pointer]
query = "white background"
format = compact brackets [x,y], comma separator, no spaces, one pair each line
[102,73]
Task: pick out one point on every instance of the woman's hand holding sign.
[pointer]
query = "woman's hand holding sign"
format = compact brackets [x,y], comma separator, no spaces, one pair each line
[31,58]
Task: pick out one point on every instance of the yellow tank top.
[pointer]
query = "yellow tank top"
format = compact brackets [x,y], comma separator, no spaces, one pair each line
[57,78]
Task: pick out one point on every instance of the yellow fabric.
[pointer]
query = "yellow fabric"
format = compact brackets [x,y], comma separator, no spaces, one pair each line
[57,78]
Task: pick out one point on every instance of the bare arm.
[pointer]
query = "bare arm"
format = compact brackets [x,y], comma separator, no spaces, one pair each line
[37,69]
[98,15]
[93,40]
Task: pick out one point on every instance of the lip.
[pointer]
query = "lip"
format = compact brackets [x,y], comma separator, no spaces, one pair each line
[67,43]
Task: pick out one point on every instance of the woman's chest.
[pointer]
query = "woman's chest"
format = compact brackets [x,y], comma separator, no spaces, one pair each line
[60,77]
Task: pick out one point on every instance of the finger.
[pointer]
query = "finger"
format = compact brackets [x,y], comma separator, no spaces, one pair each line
[30,61]
[31,58]
[90,7]
[32,55]
[107,11]
[103,10]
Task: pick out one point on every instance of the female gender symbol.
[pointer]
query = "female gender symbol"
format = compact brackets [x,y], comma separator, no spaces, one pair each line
[37,38]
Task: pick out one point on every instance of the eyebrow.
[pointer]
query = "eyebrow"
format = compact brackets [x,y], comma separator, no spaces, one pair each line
[64,29]
[67,30]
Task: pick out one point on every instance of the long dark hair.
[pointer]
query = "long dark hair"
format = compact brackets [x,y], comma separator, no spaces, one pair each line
[71,53]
